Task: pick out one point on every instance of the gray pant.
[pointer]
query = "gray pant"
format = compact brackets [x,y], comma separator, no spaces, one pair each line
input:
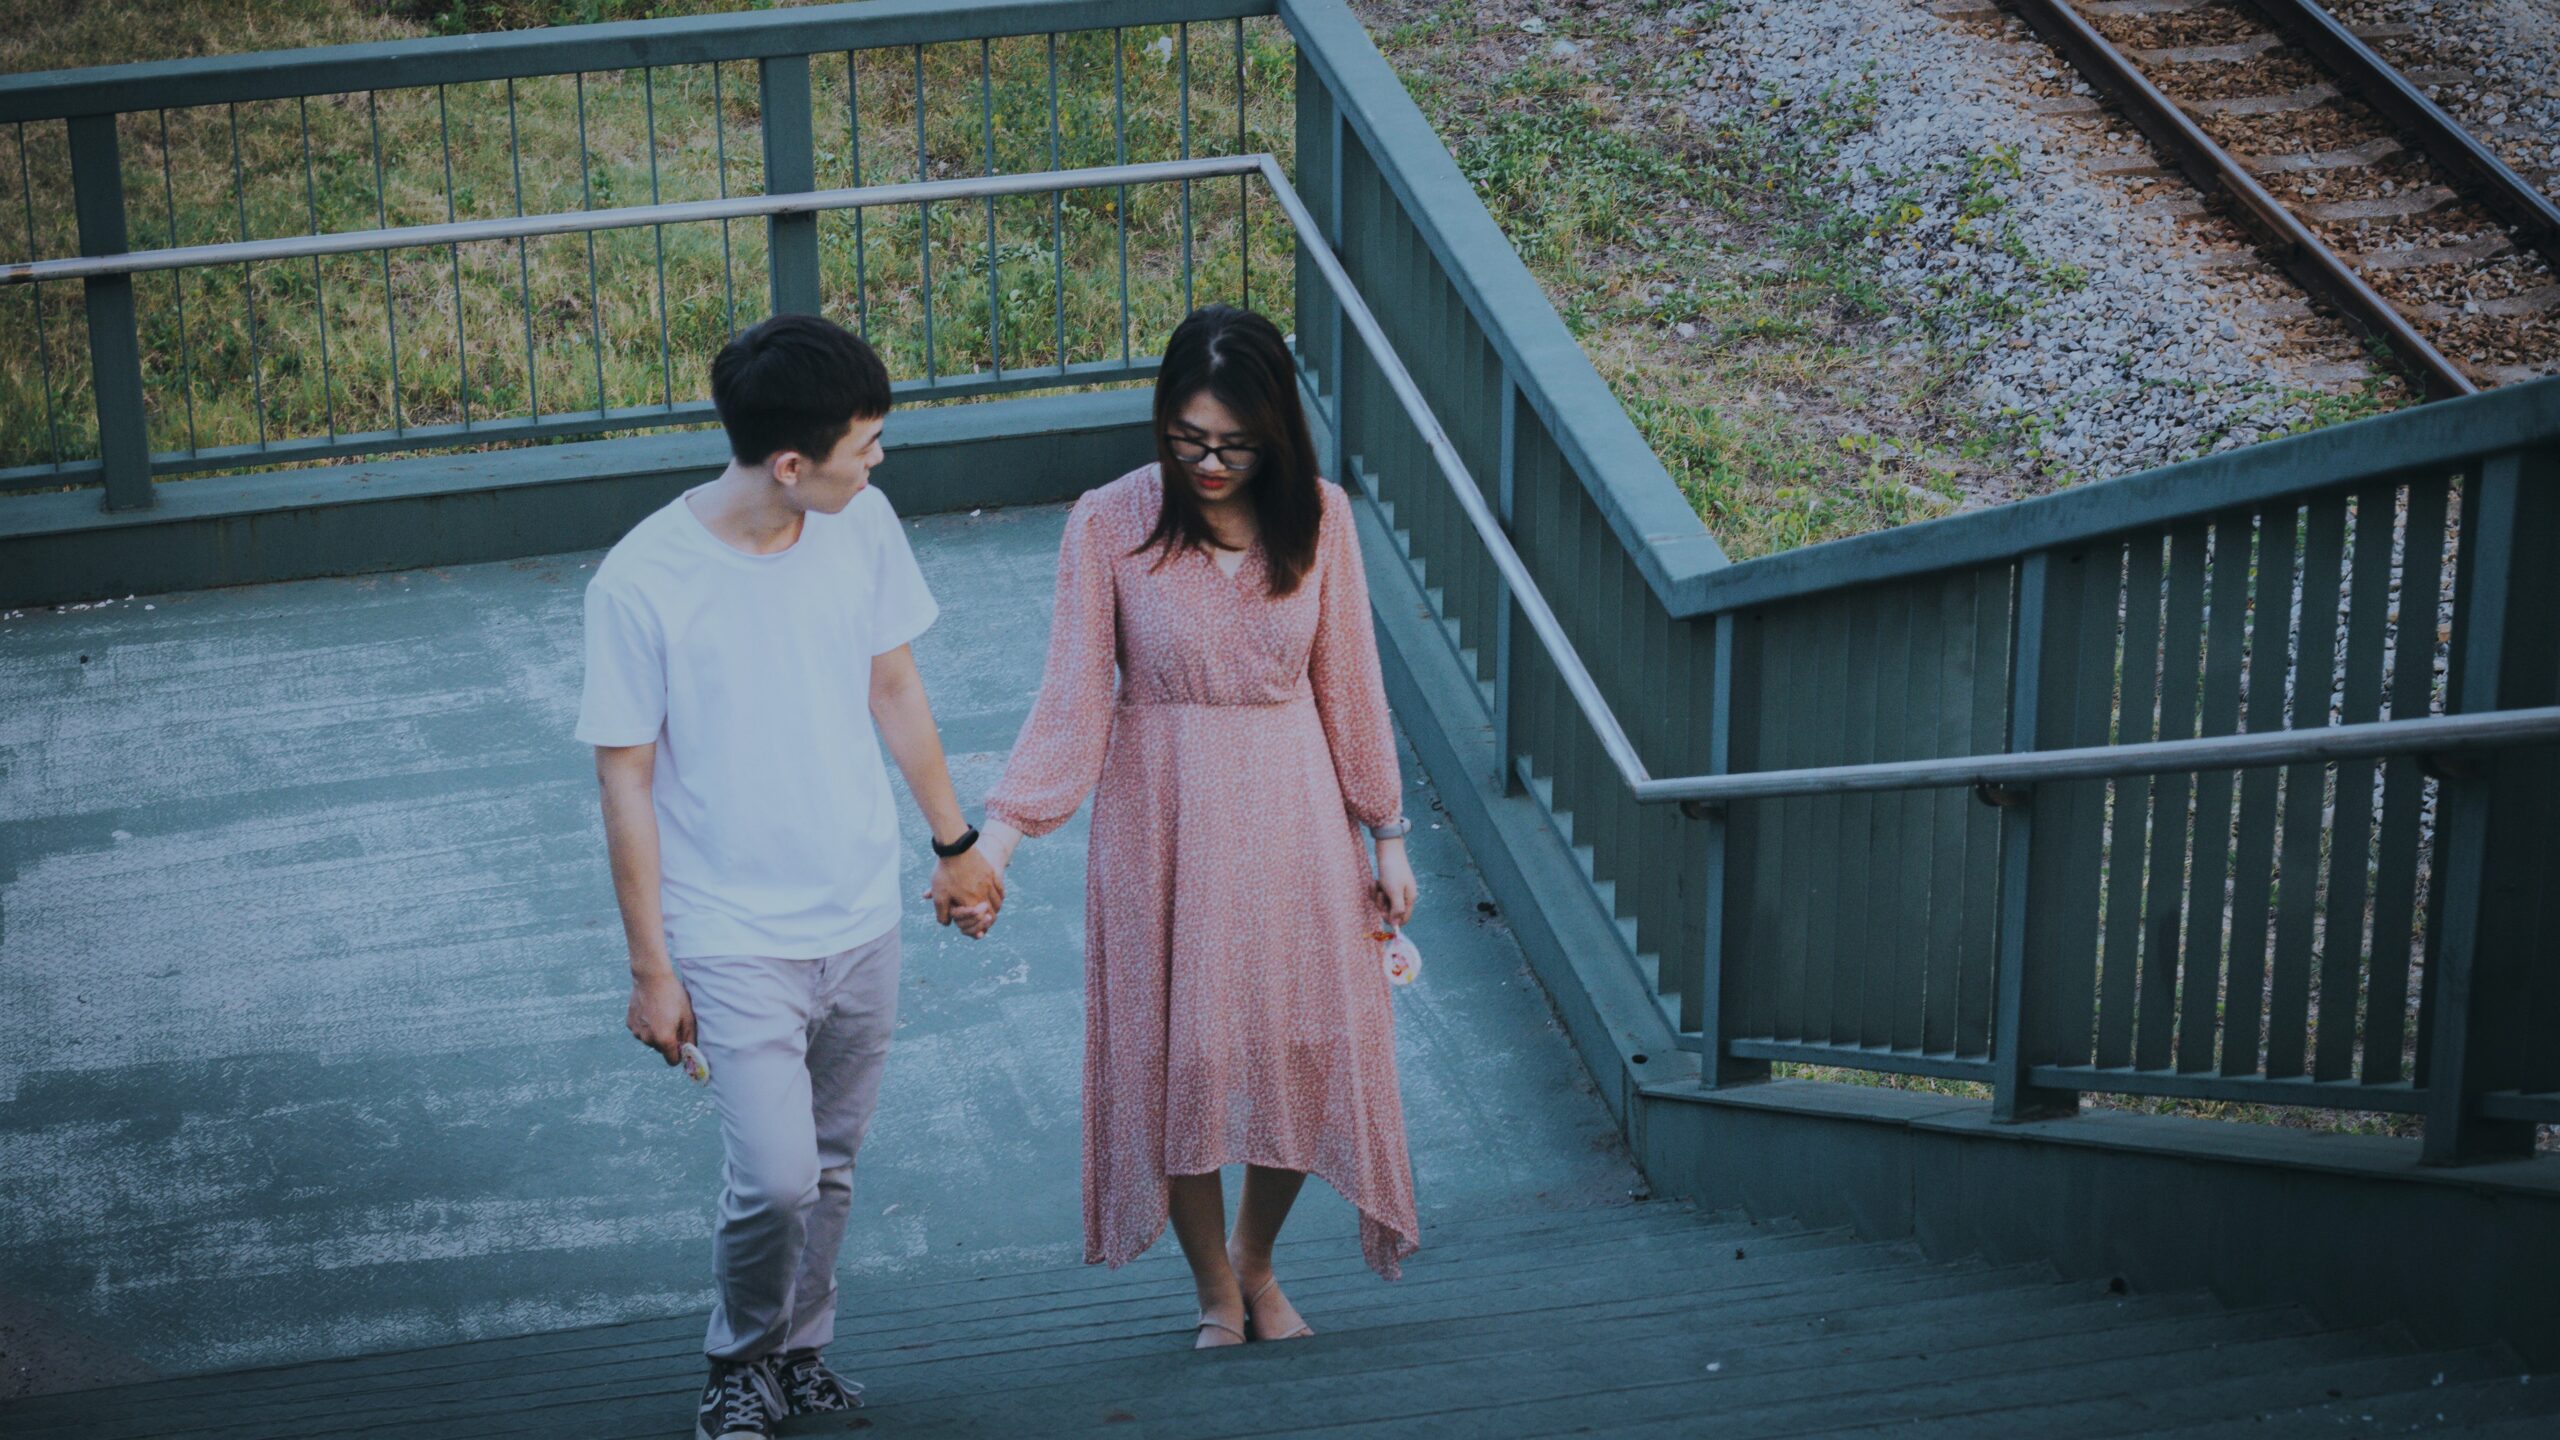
[796,1048]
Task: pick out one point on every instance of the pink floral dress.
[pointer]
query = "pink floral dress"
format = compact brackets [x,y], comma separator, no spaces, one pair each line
[1235,1007]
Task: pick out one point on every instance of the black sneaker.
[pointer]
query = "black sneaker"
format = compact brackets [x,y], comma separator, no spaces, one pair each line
[740,1402]
[810,1388]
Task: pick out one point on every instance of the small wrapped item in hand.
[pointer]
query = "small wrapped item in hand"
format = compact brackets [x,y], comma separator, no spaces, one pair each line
[1402,958]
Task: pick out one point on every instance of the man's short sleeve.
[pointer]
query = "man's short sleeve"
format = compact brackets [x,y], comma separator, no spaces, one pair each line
[901,607]
[625,700]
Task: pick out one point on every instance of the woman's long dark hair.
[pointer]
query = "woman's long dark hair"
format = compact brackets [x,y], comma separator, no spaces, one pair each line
[1238,357]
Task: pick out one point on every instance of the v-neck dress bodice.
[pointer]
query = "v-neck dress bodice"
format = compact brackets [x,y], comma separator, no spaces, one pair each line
[1235,1007]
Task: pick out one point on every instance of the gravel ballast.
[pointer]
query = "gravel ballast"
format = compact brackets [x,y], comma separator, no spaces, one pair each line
[2137,344]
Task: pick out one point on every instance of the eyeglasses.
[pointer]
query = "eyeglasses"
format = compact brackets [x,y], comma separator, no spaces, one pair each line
[1231,457]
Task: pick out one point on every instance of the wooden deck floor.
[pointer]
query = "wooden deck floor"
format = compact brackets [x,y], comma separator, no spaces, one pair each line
[1636,1320]
[315,986]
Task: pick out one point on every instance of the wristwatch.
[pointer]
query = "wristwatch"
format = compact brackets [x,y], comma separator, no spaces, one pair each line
[960,846]
[1394,829]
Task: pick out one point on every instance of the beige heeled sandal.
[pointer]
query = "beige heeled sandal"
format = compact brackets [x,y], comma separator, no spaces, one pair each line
[1211,1322]
[1304,1329]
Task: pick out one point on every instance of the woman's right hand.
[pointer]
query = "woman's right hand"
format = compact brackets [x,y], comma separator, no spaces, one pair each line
[995,845]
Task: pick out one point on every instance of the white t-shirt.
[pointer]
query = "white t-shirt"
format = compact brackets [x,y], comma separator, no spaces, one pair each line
[777,835]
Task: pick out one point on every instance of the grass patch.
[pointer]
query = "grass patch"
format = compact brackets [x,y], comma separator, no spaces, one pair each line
[361,343]
[1731,309]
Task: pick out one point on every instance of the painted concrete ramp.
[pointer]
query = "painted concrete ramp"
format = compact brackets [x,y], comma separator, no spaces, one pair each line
[313,988]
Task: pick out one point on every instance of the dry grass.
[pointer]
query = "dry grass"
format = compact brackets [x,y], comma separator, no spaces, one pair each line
[364,343]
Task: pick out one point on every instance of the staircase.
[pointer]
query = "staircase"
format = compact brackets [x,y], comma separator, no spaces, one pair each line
[1630,1321]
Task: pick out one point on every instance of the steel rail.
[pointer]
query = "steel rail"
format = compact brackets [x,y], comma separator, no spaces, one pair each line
[2445,141]
[2211,168]
[573,222]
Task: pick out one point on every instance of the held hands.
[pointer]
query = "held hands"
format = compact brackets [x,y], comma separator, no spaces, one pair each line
[1395,889]
[967,891]
[994,852]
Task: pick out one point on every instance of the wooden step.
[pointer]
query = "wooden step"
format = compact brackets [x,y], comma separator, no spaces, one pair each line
[1799,1388]
[2444,1403]
[1454,1248]
[2225,1408]
[1060,1346]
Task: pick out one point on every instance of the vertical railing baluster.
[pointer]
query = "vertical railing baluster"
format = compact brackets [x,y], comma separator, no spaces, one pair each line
[2166,878]
[995,285]
[524,261]
[2208,883]
[319,283]
[1244,194]
[1336,129]
[666,346]
[720,154]
[461,345]
[2041,686]
[2342,959]
[861,249]
[35,296]
[178,282]
[1185,152]
[587,201]
[2395,909]
[249,282]
[382,217]
[2305,824]
[1057,214]
[2494,854]
[1992,601]
[1506,482]
[2254,844]
[2122,959]
[1718,987]
[790,167]
[1120,156]
[924,223]
[1856,954]
[115,347]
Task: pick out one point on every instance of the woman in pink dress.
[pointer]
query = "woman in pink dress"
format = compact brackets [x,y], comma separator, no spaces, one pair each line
[1236,1007]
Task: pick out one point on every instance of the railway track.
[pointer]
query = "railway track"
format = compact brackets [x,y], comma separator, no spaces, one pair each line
[2340,169]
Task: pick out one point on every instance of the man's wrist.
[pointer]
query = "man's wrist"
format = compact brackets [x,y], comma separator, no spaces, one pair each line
[651,967]
[957,846]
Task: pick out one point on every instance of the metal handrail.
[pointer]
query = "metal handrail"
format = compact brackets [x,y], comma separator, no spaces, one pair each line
[1524,589]
[2431,735]
[2437,734]
[572,222]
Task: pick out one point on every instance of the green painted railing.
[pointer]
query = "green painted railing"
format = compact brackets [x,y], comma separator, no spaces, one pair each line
[406,134]
[2380,932]
[2358,926]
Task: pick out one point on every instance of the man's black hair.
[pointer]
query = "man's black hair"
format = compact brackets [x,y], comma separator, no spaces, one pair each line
[795,382]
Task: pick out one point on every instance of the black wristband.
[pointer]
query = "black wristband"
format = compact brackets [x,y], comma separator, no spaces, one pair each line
[960,846]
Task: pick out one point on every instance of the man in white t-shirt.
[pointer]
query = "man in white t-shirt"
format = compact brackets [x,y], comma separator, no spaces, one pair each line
[741,644]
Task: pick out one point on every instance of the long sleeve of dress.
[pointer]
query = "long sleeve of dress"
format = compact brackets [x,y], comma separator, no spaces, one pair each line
[1342,668]
[1057,759]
